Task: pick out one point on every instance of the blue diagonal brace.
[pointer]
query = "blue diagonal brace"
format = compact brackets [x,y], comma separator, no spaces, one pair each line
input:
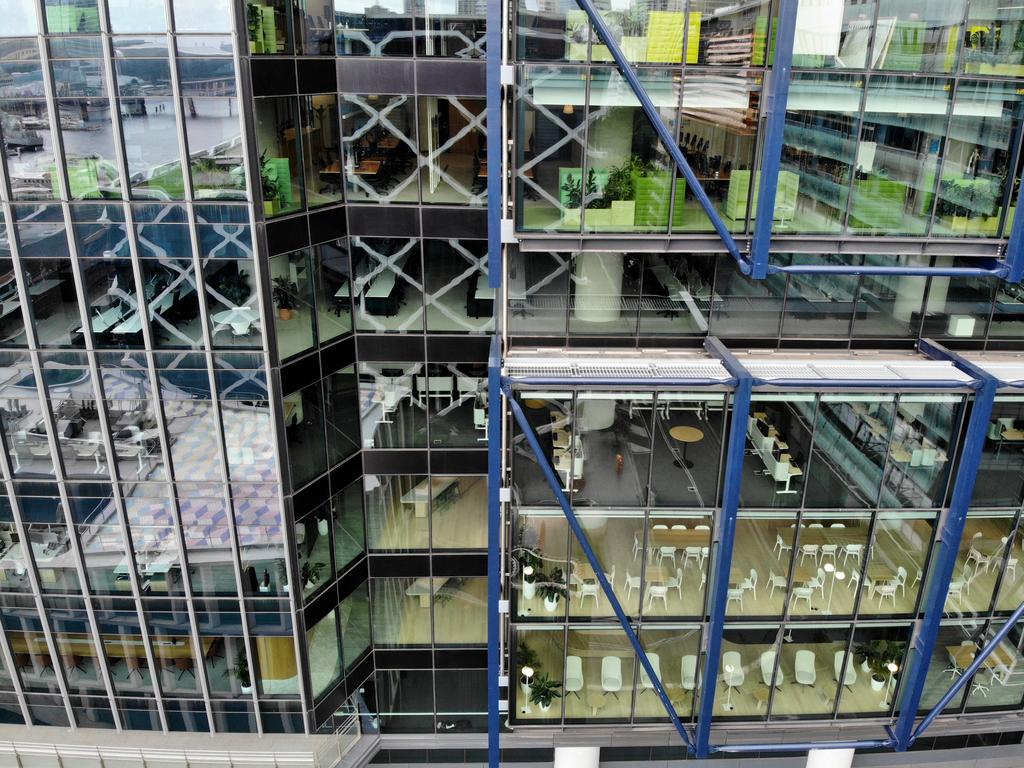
[948,546]
[595,564]
[664,133]
[774,128]
[968,673]
[722,562]
[493,551]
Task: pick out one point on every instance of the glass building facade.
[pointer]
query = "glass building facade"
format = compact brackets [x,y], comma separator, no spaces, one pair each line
[244,262]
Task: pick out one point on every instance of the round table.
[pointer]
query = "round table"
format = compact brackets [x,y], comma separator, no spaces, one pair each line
[596,700]
[685,435]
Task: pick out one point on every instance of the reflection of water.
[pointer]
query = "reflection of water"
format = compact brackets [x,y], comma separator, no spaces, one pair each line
[150,140]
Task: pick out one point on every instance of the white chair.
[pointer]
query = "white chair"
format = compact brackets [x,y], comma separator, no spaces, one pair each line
[636,546]
[704,552]
[850,678]
[750,583]
[735,676]
[1011,568]
[809,550]
[888,589]
[917,579]
[645,680]
[853,550]
[702,527]
[679,527]
[815,525]
[805,671]
[632,582]
[735,594]
[829,550]
[802,593]
[838,525]
[667,553]
[610,577]
[657,592]
[776,582]
[818,582]
[590,589]
[573,675]
[900,582]
[611,675]
[781,546]
[691,553]
[659,527]
[767,667]
[688,672]
[676,582]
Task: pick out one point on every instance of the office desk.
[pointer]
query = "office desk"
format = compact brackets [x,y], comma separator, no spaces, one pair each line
[239,319]
[381,298]
[436,489]
[480,298]
[367,168]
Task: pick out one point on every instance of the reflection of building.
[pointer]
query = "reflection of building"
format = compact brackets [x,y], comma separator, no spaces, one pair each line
[245,319]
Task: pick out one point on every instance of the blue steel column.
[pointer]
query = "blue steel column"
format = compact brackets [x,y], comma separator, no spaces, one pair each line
[719,582]
[1015,245]
[949,541]
[494,419]
[774,127]
[663,133]
[584,542]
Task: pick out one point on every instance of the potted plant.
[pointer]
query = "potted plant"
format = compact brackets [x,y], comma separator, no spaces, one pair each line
[526,656]
[529,563]
[270,185]
[552,589]
[875,657]
[284,297]
[311,572]
[543,691]
[241,671]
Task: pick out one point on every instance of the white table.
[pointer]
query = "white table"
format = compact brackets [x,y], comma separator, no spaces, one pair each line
[240,319]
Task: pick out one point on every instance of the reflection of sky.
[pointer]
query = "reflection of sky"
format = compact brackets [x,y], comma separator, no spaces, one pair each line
[19,16]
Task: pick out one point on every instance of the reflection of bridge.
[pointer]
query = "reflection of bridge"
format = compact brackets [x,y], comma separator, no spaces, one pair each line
[213,86]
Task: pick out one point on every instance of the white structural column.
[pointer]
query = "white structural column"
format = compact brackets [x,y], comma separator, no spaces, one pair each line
[598,287]
[829,758]
[577,757]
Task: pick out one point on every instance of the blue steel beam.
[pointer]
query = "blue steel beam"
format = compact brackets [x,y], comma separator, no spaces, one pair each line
[805,746]
[494,411]
[595,564]
[722,561]
[949,542]
[1015,244]
[774,127]
[495,174]
[663,133]
[1000,270]
[961,681]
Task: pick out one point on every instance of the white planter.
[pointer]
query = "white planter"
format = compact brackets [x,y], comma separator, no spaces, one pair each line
[247,690]
[865,668]
[543,708]
[529,589]
[877,685]
[322,527]
[550,605]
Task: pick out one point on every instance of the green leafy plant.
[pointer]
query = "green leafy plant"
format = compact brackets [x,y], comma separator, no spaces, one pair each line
[268,181]
[573,192]
[311,572]
[240,669]
[527,657]
[233,286]
[877,654]
[529,558]
[551,587]
[544,690]
[284,293]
